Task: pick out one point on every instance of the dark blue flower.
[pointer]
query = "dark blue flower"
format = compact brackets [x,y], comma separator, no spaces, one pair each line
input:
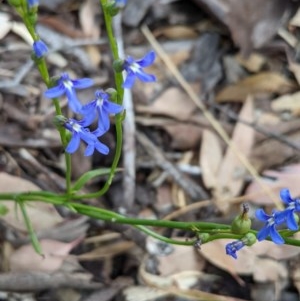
[293,205]
[90,138]
[39,48]
[134,69]
[32,3]
[233,247]
[67,86]
[277,218]
[102,106]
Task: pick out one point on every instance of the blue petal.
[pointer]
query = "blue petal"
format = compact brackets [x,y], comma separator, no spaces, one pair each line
[98,132]
[112,108]
[73,144]
[261,215]
[55,91]
[89,150]
[263,233]
[89,113]
[275,236]
[297,205]
[285,196]
[102,148]
[82,83]
[147,60]
[87,137]
[147,78]
[129,81]
[103,122]
[291,221]
[40,48]
[73,102]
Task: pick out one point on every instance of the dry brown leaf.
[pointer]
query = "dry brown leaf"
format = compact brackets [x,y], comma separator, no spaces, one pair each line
[184,136]
[20,29]
[278,252]
[231,175]
[295,68]
[176,32]
[295,21]
[54,253]
[173,102]
[210,158]
[173,263]
[288,102]
[296,277]
[269,270]
[5,24]
[42,215]
[87,17]
[287,177]
[252,23]
[265,82]
[253,63]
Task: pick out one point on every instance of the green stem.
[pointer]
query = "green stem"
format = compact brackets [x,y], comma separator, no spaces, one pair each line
[119,82]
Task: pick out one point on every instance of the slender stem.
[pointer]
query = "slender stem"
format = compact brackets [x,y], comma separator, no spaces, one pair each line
[119,82]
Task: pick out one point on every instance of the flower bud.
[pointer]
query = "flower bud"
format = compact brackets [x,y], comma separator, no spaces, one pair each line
[249,239]
[113,94]
[118,65]
[59,120]
[242,223]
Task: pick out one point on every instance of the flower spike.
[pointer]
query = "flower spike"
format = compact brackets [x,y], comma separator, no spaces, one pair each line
[134,69]
[67,86]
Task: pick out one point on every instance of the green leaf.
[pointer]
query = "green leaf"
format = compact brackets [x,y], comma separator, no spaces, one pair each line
[34,240]
[3,209]
[90,175]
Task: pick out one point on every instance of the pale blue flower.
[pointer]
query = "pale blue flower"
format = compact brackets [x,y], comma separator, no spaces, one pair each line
[67,86]
[134,69]
[102,106]
[90,138]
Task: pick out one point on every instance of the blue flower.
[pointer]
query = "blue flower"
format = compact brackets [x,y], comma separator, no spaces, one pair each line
[120,3]
[103,107]
[90,138]
[32,3]
[134,69]
[293,205]
[39,48]
[67,86]
[233,247]
[269,229]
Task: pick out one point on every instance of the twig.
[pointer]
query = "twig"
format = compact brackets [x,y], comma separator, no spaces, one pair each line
[258,128]
[190,187]
[38,281]
[129,152]
[215,124]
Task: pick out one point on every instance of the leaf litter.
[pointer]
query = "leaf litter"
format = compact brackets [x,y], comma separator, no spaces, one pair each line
[237,65]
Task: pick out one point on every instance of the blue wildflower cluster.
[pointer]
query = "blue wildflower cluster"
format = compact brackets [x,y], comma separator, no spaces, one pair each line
[277,218]
[99,108]
[287,216]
